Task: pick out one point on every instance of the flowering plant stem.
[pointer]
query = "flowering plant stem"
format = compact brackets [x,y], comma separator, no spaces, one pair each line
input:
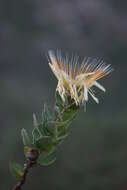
[29,164]
[52,132]
[74,85]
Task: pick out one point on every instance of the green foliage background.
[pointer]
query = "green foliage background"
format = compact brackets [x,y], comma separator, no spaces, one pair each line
[94,156]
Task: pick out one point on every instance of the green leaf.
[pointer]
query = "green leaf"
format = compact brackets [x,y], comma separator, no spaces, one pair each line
[36,134]
[69,114]
[47,159]
[25,137]
[44,144]
[16,170]
[60,139]
[46,116]
[47,129]
[65,111]
[59,101]
[35,123]
[50,127]
[41,128]
[63,123]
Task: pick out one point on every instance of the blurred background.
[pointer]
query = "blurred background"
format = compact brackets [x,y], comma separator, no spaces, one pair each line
[94,157]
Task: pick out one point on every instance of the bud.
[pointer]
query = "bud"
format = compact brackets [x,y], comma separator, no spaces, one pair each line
[32,154]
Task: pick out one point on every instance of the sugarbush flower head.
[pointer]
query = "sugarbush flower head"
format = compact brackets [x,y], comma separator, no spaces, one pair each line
[76,80]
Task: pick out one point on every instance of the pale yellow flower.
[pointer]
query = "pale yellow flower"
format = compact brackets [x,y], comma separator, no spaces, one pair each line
[76,80]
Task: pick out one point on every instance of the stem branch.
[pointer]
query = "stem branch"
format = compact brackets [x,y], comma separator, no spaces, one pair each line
[31,161]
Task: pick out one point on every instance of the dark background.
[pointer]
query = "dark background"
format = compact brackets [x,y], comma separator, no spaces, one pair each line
[94,157]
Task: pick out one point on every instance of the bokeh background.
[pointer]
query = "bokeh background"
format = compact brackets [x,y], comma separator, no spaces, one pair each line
[94,157]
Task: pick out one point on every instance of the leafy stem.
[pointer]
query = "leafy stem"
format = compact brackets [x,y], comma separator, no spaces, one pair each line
[46,136]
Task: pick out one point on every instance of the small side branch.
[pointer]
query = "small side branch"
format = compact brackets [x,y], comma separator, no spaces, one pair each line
[31,161]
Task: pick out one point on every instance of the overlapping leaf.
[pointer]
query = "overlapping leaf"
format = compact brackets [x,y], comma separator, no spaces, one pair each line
[16,170]
[51,130]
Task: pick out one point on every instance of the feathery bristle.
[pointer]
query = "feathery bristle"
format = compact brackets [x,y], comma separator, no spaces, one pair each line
[75,80]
